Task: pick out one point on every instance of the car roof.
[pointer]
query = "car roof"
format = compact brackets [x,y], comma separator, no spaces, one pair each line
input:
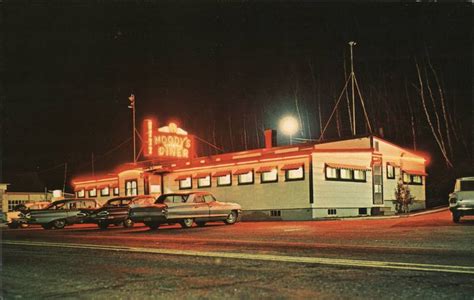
[187,193]
[74,199]
[131,197]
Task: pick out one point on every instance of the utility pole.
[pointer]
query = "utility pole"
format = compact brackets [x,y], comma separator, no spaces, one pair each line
[132,106]
[351,44]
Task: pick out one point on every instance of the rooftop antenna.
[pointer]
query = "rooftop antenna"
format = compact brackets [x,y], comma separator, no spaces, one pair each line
[355,86]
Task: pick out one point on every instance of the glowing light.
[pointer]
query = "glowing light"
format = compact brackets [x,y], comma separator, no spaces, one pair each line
[168,141]
[289,125]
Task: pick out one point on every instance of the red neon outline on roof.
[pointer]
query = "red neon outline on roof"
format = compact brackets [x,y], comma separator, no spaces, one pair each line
[294,166]
[243,171]
[265,169]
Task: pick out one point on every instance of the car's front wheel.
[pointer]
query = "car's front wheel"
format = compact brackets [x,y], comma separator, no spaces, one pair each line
[103,225]
[128,223]
[59,224]
[47,226]
[152,225]
[231,218]
[186,223]
[456,217]
[13,225]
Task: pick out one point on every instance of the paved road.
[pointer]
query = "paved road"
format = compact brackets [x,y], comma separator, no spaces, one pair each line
[423,256]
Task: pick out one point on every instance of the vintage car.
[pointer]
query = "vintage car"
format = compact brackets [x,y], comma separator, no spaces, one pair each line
[185,209]
[115,211]
[63,212]
[461,201]
[16,218]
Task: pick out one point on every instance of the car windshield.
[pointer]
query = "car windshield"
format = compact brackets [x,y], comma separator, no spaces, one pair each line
[56,205]
[172,198]
[118,202]
[467,185]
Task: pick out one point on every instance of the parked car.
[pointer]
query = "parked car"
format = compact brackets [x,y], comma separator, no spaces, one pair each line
[16,218]
[63,212]
[461,201]
[185,209]
[115,211]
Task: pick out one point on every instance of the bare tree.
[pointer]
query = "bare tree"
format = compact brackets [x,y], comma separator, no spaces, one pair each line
[437,137]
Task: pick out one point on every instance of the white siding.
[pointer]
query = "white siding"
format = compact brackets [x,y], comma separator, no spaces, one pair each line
[341,194]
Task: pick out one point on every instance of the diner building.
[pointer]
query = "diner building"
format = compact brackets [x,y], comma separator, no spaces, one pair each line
[342,178]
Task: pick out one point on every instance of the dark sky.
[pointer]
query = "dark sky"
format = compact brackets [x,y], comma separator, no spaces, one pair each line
[71,67]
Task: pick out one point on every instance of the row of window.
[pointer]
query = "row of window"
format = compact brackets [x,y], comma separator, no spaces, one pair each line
[267,176]
[131,189]
[345,174]
[407,178]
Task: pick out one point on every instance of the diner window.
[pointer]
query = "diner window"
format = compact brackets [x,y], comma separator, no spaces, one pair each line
[390,171]
[186,183]
[116,191]
[332,212]
[412,179]
[406,178]
[105,191]
[204,181]
[93,192]
[81,193]
[246,178]
[13,203]
[294,174]
[346,174]
[331,173]
[225,180]
[131,187]
[416,179]
[270,176]
[359,175]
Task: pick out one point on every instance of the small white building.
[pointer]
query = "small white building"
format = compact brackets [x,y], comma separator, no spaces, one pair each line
[343,178]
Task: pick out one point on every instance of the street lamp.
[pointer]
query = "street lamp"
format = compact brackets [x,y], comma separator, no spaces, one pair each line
[289,126]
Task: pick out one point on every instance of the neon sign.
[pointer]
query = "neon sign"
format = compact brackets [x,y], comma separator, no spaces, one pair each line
[167,142]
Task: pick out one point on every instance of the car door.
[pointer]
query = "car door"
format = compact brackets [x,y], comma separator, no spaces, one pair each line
[180,206]
[200,208]
[72,211]
[216,209]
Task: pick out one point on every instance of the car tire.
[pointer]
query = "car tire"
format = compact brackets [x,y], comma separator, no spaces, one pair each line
[103,225]
[201,224]
[128,223]
[456,217]
[231,218]
[152,225]
[13,225]
[47,226]
[59,224]
[186,223]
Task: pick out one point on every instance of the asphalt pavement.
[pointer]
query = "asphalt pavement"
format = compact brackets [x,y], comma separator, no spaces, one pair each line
[425,256]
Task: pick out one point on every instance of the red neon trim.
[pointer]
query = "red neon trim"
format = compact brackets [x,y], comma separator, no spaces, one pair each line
[415,172]
[343,166]
[393,164]
[77,189]
[202,175]
[292,166]
[182,177]
[103,186]
[89,188]
[221,173]
[344,150]
[265,169]
[243,171]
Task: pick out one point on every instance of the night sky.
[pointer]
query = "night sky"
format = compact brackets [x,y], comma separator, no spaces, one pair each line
[219,69]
